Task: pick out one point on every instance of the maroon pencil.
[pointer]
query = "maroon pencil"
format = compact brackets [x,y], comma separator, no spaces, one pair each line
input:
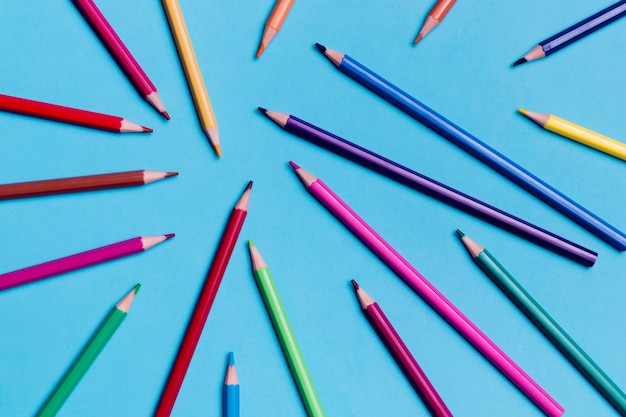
[84,183]
[401,354]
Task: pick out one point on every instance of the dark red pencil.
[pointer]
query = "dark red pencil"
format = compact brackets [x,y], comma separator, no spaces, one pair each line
[203,306]
[401,354]
[69,115]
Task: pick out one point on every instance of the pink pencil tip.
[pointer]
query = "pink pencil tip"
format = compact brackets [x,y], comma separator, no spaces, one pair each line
[169,236]
[170,174]
[249,186]
[147,129]
[354,284]
[294,165]
[166,115]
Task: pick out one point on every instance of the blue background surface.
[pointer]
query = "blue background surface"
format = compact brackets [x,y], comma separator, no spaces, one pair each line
[462,70]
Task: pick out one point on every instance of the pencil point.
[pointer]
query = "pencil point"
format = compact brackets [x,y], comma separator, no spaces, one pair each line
[231,359]
[354,284]
[459,233]
[524,112]
[249,186]
[218,150]
[250,243]
[136,288]
[418,39]
[262,110]
[171,174]
[259,52]
[166,115]
[169,236]
[294,165]
[146,129]
[519,61]
[322,48]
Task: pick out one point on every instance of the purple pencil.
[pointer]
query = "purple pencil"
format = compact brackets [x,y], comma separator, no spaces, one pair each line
[433,188]
[80,260]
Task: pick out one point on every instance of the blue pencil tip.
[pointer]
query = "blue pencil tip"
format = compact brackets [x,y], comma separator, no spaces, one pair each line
[231,359]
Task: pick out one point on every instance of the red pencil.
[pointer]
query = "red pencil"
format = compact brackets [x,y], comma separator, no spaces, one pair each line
[120,53]
[401,354]
[68,115]
[84,183]
[203,306]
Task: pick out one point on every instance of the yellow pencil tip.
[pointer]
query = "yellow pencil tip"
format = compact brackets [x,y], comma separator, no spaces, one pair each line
[218,150]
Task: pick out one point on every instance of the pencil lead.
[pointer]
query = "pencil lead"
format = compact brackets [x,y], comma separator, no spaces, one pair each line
[524,112]
[519,61]
[147,129]
[169,236]
[459,233]
[418,39]
[136,288]
[249,186]
[231,359]
[166,115]
[294,165]
[250,243]
[259,52]
[262,110]
[322,48]
[354,284]
[171,174]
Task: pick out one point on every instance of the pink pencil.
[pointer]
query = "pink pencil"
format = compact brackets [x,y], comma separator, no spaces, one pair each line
[120,53]
[80,260]
[429,293]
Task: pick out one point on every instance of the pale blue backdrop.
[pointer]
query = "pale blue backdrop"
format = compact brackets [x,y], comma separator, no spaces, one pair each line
[462,70]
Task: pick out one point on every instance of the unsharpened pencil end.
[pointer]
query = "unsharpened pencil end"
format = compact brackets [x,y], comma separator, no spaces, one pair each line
[519,62]
[262,110]
[146,129]
[137,288]
[418,39]
[322,48]
[166,115]
[169,236]
[354,284]
[294,165]
[459,233]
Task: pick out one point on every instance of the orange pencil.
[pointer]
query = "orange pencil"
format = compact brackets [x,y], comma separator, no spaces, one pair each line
[435,16]
[274,23]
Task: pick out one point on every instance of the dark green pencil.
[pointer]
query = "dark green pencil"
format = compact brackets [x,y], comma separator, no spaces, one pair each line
[545,323]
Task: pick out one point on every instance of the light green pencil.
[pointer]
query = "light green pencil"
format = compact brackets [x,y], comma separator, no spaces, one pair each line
[87,356]
[285,334]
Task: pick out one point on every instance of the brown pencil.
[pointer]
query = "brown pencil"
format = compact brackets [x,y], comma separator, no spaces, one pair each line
[84,183]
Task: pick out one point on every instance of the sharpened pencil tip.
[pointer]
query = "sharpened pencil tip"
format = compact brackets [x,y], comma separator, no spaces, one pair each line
[294,165]
[166,115]
[322,48]
[354,284]
[418,39]
[262,110]
[259,52]
[231,359]
[147,129]
[459,233]
[171,174]
[524,112]
[250,243]
[169,236]
[137,288]
[519,61]
[249,186]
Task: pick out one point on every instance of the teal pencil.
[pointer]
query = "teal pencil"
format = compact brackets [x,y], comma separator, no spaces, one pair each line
[285,334]
[546,324]
[230,390]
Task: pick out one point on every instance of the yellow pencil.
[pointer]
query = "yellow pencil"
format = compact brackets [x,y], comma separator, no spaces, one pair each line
[192,72]
[577,133]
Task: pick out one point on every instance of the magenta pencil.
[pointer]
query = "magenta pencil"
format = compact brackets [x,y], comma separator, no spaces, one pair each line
[80,260]
[120,53]
[401,354]
[429,293]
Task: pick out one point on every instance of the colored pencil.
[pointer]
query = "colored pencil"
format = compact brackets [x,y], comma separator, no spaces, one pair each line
[120,53]
[434,17]
[84,183]
[69,115]
[578,133]
[80,260]
[87,356]
[192,72]
[476,148]
[285,334]
[575,32]
[545,323]
[418,283]
[230,391]
[274,23]
[402,355]
[203,305]
[432,188]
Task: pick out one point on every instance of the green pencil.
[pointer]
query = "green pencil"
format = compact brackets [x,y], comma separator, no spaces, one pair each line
[87,356]
[285,334]
[546,324]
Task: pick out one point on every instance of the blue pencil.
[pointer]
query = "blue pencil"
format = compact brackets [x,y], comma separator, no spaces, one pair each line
[475,147]
[230,391]
[575,32]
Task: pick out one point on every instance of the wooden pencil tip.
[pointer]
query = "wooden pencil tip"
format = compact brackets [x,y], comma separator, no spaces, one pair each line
[322,48]
[459,233]
[519,61]
[262,110]
[249,186]
[418,39]
[166,115]
[169,236]
[147,129]
[137,288]
[171,174]
[294,165]
[354,284]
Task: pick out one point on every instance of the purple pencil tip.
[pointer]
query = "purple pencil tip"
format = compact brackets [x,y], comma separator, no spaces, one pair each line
[294,165]
[169,236]
[249,186]
[354,284]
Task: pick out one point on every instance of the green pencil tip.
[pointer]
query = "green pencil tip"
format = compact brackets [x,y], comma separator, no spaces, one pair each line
[250,243]
[459,233]
[137,288]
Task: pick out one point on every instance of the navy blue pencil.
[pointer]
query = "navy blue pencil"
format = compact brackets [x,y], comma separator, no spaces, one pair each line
[475,147]
[575,32]
[230,391]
